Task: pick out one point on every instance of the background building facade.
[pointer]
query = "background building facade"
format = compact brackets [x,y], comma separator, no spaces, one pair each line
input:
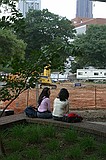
[81,24]
[25,5]
[84,9]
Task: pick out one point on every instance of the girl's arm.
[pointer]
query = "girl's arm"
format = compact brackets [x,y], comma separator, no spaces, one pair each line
[67,108]
[48,105]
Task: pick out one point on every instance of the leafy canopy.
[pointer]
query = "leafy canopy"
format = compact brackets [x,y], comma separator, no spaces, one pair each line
[10,47]
[10,17]
[49,33]
[91,47]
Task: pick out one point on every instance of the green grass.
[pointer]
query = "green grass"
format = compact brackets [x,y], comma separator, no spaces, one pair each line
[39,142]
[53,144]
[31,153]
[74,152]
[88,143]
[70,135]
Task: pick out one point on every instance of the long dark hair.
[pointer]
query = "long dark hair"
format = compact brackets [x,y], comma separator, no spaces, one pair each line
[63,94]
[44,93]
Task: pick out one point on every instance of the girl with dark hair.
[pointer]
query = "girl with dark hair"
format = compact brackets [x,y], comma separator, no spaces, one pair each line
[44,110]
[61,105]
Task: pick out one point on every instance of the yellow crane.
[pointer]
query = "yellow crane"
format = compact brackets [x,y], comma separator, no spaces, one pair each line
[45,79]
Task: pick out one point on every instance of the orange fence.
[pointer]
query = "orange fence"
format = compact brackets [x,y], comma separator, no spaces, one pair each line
[88,98]
[84,97]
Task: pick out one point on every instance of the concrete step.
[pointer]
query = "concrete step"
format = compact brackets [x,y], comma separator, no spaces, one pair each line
[95,128]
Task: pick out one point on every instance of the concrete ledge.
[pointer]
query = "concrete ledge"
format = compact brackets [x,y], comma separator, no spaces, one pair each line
[7,121]
[84,126]
[97,129]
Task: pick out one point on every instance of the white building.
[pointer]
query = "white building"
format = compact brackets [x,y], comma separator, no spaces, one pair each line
[56,76]
[81,24]
[91,74]
[25,5]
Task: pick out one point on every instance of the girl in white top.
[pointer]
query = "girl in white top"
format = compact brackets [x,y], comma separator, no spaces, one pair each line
[61,105]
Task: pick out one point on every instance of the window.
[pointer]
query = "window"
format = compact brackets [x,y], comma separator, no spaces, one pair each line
[96,73]
[37,6]
[104,74]
[80,73]
[30,5]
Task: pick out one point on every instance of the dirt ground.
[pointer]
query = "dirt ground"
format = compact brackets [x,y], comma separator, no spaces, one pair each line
[88,99]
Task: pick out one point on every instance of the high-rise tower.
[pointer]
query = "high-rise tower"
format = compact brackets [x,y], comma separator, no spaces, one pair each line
[25,5]
[84,9]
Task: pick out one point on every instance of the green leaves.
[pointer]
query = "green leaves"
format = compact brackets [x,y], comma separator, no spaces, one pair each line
[14,20]
[50,34]
[10,47]
[91,47]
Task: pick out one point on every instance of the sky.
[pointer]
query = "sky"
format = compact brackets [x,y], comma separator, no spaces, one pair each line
[67,8]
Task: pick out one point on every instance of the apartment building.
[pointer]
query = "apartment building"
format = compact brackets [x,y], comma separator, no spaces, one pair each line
[25,5]
[84,9]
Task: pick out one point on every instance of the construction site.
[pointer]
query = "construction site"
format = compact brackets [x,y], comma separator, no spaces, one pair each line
[88,99]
